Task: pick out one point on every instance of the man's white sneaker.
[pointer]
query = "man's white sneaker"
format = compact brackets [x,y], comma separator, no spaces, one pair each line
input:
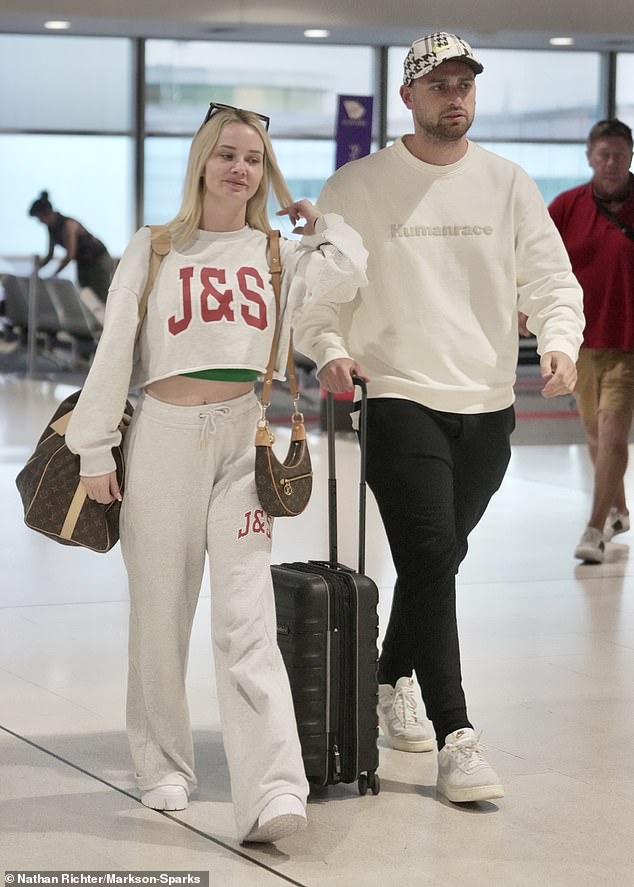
[615,523]
[166,797]
[591,546]
[400,719]
[283,816]
[463,773]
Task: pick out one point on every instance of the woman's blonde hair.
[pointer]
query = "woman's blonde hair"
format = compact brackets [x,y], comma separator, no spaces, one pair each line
[187,221]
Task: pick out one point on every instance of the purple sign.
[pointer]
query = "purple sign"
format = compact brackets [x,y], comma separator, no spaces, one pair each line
[354,128]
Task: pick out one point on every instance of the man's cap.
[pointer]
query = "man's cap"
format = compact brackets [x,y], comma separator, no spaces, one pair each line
[428,52]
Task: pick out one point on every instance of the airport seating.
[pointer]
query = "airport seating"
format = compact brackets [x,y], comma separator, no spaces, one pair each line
[62,323]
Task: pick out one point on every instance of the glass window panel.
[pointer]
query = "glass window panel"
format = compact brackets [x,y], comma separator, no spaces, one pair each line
[306,165]
[165,164]
[183,77]
[624,91]
[521,94]
[88,178]
[555,168]
[65,83]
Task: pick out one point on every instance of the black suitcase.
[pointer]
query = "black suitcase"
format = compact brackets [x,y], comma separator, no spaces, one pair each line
[327,628]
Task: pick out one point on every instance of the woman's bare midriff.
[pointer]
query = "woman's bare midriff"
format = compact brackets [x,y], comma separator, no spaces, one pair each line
[183,391]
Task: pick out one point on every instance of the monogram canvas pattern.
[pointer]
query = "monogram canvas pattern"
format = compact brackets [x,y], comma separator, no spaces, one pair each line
[48,482]
[283,488]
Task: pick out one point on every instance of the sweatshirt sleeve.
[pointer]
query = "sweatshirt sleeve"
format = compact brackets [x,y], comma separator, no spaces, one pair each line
[327,265]
[548,291]
[93,429]
[316,319]
[321,272]
[318,334]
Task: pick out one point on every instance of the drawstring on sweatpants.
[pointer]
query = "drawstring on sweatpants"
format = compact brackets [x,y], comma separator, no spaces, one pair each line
[209,423]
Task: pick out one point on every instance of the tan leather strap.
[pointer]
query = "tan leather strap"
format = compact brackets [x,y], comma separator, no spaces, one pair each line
[60,425]
[161,243]
[275,267]
[74,510]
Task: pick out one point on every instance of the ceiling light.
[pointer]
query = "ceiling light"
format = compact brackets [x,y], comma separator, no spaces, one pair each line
[315,33]
[57,26]
[562,41]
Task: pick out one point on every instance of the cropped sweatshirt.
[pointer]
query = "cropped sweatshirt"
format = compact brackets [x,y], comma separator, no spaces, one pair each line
[454,252]
[211,306]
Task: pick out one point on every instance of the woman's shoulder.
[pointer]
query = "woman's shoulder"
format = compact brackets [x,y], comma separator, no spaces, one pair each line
[139,243]
[142,235]
[135,256]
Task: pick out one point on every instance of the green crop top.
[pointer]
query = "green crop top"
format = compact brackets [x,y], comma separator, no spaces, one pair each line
[224,375]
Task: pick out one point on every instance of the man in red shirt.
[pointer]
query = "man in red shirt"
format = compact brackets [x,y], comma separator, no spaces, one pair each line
[596,222]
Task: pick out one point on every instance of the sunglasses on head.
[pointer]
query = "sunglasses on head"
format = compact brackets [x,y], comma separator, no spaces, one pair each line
[214,107]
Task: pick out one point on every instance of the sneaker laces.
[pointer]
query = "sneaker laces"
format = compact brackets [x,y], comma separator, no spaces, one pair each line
[405,707]
[467,752]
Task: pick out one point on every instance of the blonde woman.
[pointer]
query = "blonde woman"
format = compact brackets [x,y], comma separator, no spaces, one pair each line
[190,487]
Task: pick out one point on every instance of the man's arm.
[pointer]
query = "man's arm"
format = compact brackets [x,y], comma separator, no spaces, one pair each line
[318,331]
[548,292]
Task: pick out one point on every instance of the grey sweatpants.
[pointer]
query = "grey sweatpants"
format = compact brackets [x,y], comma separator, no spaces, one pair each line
[190,489]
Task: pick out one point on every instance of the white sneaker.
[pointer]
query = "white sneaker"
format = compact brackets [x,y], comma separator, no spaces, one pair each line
[615,523]
[591,547]
[463,773]
[283,816]
[399,717]
[166,797]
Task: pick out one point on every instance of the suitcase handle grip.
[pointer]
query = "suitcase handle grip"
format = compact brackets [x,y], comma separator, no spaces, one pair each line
[332,480]
[363,440]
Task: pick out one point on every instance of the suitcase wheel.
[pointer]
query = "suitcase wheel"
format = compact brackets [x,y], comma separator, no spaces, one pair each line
[369,780]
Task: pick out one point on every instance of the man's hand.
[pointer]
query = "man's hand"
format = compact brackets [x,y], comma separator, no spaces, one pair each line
[103,488]
[336,375]
[522,329]
[559,371]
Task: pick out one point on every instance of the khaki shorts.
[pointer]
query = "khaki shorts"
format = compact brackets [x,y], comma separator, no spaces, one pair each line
[605,381]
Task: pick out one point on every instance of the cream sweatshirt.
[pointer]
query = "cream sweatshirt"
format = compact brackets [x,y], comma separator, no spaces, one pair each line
[211,306]
[454,252]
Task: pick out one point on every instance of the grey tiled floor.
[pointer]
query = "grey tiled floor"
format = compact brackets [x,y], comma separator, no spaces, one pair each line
[548,662]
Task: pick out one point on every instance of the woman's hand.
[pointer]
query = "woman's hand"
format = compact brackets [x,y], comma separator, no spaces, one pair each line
[103,488]
[302,209]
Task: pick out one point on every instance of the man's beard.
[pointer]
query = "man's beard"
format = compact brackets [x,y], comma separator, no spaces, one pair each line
[443,131]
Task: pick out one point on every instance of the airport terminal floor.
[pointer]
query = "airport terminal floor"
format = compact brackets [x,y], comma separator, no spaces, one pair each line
[548,664]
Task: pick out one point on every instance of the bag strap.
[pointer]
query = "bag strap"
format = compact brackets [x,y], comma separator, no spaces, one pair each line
[275,267]
[161,243]
[622,226]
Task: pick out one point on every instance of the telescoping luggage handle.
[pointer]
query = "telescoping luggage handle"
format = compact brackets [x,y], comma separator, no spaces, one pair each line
[332,478]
